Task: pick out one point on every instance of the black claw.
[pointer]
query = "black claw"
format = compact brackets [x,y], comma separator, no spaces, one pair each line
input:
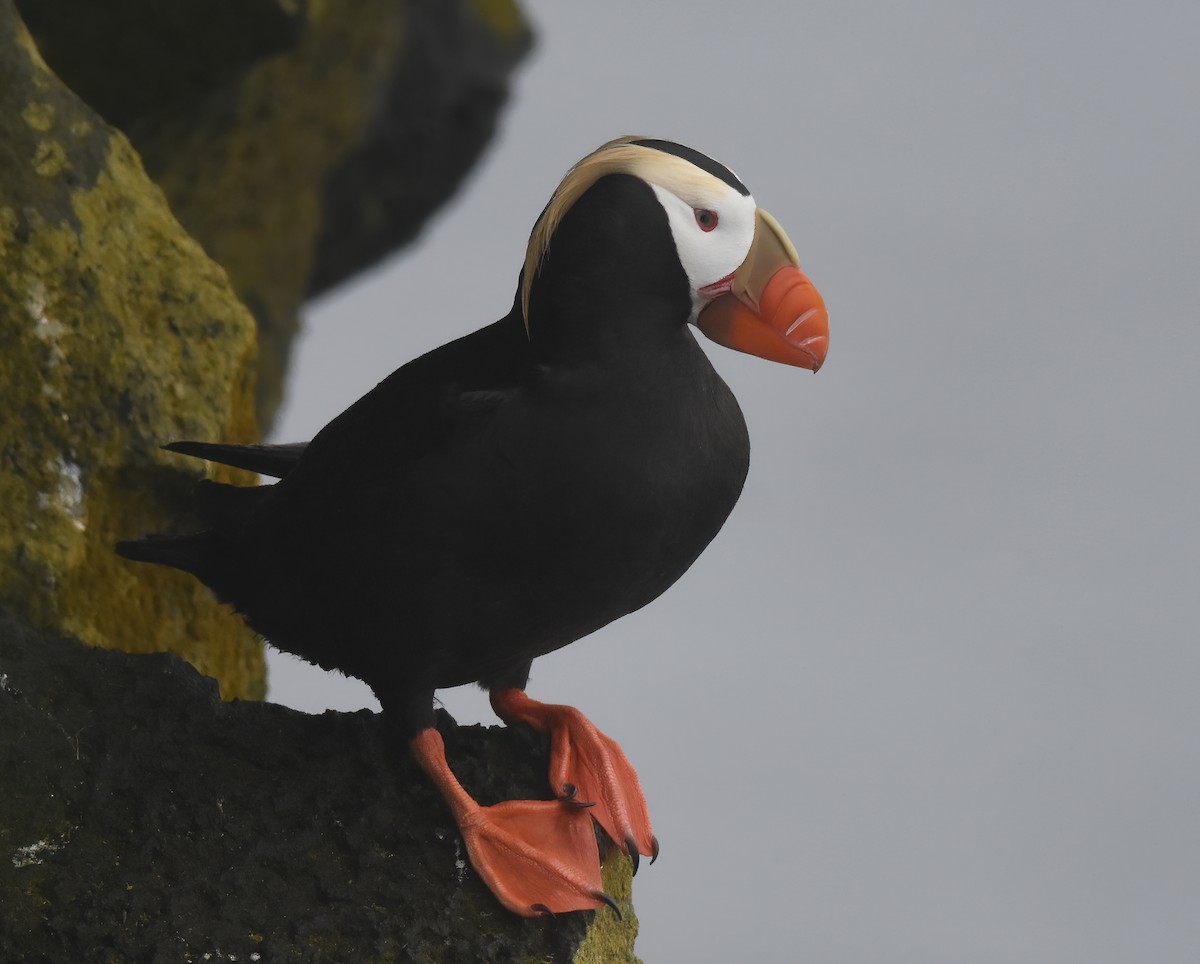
[601,895]
[631,848]
[653,849]
[543,909]
[569,791]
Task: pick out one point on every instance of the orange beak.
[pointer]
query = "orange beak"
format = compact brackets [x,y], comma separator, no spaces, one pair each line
[767,307]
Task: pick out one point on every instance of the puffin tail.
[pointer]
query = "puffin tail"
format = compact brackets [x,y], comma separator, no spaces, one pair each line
[212,555]
[201,554]
[189,553]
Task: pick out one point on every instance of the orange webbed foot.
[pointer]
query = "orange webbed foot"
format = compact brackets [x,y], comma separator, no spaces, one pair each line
[587,767]
[536,856]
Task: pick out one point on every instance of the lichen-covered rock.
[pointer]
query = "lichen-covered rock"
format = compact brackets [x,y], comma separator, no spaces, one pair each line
[118,333]
[143,819]
[297,142]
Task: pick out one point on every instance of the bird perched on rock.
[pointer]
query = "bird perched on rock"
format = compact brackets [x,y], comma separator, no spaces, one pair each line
[520,487]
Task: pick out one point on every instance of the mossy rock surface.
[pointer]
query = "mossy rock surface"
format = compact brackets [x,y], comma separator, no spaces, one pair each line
[119,333]
[278,130]
[298,142]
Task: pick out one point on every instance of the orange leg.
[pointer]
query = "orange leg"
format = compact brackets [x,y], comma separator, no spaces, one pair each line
[537,856]
[587,767]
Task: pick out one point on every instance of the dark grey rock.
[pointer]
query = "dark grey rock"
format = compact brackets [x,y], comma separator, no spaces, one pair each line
[143,819]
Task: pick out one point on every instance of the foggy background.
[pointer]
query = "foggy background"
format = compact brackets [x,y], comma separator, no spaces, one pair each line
[932,694]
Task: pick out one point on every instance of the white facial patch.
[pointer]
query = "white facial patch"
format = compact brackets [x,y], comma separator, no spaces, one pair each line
[708,256]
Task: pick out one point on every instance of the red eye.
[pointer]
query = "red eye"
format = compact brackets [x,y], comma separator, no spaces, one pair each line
[705,218]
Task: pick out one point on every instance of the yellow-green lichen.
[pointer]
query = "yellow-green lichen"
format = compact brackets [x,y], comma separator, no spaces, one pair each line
[610,939]
[119,333]
[502,16]
[49,159]
[39,116]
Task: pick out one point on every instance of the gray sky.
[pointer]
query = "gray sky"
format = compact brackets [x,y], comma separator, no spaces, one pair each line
[932,694]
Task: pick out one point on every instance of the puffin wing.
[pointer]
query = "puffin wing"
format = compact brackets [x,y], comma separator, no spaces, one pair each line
[425,405]
[421,403]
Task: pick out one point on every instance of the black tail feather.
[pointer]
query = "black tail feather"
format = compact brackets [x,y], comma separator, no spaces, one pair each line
[275,461]
[210,555]
[189,553]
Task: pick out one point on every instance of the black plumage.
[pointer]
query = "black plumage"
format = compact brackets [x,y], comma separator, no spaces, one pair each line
[501,496]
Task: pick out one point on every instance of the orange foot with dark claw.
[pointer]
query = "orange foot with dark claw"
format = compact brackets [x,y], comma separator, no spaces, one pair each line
[587,767]
[536,856]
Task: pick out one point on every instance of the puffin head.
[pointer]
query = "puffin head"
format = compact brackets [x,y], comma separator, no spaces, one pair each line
[746,290]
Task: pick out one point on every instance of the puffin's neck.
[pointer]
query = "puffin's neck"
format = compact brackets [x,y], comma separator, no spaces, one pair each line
[610,289]
[591,324]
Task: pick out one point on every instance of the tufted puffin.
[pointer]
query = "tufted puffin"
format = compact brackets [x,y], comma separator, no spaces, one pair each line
[522,486]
